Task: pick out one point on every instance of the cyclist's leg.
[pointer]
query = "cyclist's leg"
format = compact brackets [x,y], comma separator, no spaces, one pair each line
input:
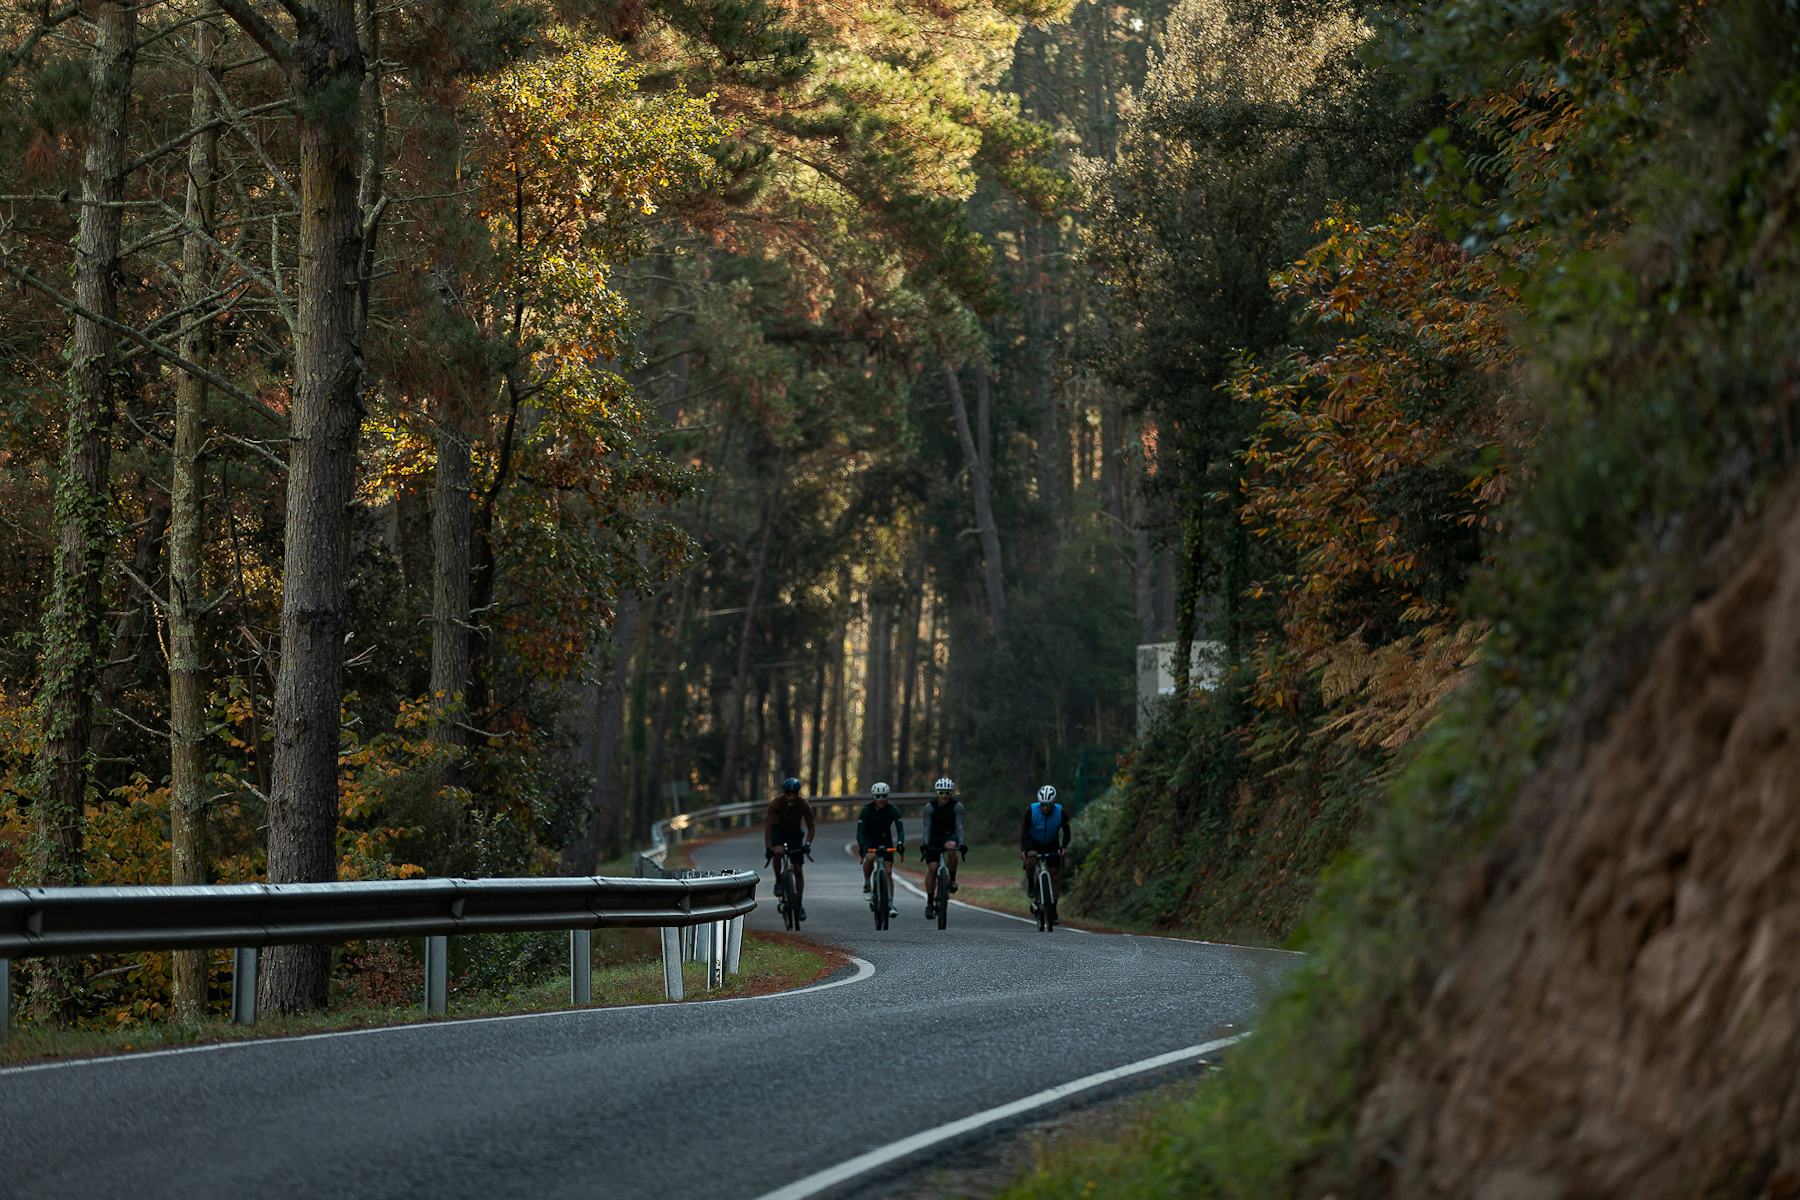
[1030,857]
[951,858]
[868,857]
[799,865]
[929,861]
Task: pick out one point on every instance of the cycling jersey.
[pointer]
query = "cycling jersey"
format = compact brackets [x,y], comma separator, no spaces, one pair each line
[789,822]
[944,823]
[1042,831]
[879,827]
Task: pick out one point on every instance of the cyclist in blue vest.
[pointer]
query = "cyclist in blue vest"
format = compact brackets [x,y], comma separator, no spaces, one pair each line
[1044,833]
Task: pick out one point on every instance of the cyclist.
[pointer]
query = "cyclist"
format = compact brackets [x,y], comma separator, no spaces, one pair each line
[1044,832]
[944,836]
[878,830]
[788,813]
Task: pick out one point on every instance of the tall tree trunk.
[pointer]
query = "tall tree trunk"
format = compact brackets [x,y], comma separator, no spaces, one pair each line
[933,698]
[734,735]
[187,494]
[606,798]
[818,725]
[133,640]
[974,458]
[909,664]
[1052,429]
[759,759]
[1035,234]
[450,589]
[1188,607]
[328,69]
[787,731]
[874,758]
[834,718]
[1137,517]
[74,626]
[673,685]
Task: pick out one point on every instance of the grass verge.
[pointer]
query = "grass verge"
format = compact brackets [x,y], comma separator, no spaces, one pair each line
[770,962]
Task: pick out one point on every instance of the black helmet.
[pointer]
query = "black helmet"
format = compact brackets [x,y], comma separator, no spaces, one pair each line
[791,786]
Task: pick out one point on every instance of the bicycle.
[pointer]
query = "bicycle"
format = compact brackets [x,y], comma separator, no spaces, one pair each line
[1045,891]
[941,893]
[787,893]
[881,884]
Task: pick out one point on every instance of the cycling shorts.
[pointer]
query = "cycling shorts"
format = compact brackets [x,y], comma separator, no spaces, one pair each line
[795,837]
[933,853]
[1051,854]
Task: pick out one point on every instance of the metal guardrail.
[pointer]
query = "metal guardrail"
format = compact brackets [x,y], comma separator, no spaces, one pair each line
[668,831]
[37,922]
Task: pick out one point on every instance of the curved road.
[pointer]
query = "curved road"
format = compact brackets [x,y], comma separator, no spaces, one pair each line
[736,1098]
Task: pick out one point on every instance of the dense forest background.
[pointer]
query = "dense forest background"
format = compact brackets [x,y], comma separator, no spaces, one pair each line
[442,438]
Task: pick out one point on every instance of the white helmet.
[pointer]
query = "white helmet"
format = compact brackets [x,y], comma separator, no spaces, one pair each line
[1046,794]
[879,790]
[944,785]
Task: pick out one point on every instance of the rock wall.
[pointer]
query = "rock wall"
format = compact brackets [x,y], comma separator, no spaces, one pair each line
[1620,1013]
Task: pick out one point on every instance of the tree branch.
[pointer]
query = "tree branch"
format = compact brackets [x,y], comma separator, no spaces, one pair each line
[182,139]
[24,275]
[259,29]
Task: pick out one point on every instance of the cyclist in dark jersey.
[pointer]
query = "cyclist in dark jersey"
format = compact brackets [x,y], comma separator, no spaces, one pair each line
[878,827]
[944,837]
[1044,832]
[790,823]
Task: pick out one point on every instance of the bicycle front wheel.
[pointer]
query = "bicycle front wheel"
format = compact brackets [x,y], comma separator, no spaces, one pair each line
[1043,901]
[943,896]
[883,893]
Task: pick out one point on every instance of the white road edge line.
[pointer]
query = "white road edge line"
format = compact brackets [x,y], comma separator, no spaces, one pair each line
[864,970]
[849,848]
[830,1177]
[915,889]
[918,891]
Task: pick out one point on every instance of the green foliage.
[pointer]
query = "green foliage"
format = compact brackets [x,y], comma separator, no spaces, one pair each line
[1657,325]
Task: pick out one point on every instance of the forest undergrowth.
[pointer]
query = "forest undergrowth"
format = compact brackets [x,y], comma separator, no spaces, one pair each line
[1628,171]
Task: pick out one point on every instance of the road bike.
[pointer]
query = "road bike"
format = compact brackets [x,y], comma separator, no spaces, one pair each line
[787,890]
[881,885]
[941,892]
[1044,890]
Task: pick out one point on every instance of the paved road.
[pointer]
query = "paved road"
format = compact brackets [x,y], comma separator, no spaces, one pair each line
[731,1099]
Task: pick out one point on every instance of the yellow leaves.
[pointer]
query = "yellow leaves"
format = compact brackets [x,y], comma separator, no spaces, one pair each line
[1417,331]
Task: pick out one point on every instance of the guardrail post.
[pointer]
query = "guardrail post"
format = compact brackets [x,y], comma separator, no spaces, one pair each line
[437,973]
[734,944]
[581,966]
[715,955]
[243,985]
[672,960]
[5,998]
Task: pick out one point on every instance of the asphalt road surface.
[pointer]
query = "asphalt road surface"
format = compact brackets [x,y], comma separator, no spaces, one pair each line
[730,1099]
